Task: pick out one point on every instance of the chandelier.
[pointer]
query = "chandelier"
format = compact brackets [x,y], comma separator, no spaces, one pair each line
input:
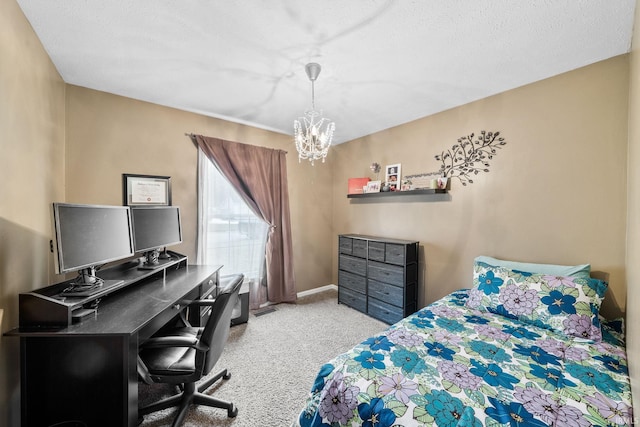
[313,133]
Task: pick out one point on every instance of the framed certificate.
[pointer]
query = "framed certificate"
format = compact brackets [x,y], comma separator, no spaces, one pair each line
[146,190]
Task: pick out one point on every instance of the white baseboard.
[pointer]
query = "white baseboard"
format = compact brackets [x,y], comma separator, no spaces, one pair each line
[317,290]
[309,292]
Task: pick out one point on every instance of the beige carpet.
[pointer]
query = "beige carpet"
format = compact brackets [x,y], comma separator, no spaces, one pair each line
[273,360]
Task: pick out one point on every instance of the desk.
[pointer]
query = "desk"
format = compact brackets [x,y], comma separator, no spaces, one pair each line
[87,371]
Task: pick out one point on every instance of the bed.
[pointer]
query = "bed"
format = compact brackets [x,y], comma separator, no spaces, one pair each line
[522,347]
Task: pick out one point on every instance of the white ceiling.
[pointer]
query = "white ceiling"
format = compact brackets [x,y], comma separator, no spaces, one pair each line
[384,63]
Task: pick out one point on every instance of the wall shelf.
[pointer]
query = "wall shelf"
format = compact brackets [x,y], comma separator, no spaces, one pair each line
[428,191]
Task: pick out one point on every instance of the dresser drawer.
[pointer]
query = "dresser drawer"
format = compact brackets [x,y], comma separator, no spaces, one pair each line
[387,273]
[376,251]
[388,252]
[345,245]
[351,246]
[385,292]
[359,248]
[353,264]
[352,281]
[394,253]
[352,299]
[383,311]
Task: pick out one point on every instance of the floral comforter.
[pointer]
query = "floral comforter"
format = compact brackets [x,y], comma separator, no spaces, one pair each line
[450,365]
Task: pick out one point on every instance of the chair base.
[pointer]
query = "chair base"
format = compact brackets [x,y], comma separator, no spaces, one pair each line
[191,395]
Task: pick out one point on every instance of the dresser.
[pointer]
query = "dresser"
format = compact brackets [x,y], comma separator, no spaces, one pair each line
[378,276]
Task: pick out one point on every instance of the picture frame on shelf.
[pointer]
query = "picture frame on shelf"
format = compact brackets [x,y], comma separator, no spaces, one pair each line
[423,180]
[393,176]
[146,190]
[372,187]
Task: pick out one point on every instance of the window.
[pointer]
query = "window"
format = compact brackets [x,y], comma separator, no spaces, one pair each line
[229,233]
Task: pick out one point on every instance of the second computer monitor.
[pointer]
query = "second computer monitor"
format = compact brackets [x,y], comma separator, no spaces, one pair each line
[154,228]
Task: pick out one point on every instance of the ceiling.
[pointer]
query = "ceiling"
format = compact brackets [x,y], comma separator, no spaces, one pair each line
[384,63]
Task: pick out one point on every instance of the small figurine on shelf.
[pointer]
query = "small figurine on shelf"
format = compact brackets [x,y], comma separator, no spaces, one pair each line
[375,168]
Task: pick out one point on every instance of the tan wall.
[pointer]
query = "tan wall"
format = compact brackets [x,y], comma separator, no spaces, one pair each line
[556,193]
[32,165]
[108,135]
[562,172]
[633,219]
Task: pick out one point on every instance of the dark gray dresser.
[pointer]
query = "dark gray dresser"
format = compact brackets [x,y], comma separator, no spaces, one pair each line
[378,276]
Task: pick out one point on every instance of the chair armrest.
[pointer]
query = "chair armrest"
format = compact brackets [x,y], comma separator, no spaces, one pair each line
[203,302]
[170,341]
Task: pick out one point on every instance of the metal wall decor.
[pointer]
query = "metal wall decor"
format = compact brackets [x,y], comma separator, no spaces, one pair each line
[469,157]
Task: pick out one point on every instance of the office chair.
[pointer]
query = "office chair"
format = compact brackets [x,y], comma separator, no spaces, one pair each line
[184,355]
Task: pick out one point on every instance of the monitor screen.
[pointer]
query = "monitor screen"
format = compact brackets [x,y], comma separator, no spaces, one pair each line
[155,227]
[91,235]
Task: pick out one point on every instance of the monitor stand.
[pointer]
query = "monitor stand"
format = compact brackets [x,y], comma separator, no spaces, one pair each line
[88,284]
[164,254]
[150,260]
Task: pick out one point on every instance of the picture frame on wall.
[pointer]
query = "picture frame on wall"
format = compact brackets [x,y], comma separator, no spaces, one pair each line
[392,176]
[146,190]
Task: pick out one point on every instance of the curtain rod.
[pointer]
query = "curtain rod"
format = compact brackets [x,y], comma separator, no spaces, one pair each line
[193,137]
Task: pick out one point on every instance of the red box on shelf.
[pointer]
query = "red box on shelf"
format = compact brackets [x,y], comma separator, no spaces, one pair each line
[356,184]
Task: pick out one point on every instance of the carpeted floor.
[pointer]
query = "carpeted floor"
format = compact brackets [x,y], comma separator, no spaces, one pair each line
[273,360]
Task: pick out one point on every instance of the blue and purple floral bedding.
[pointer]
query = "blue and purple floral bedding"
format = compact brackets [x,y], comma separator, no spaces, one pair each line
[453,365]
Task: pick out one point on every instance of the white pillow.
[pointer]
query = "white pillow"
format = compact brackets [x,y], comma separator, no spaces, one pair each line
[582,270]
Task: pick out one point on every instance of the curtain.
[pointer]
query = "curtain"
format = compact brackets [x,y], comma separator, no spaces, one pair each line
[259,175]
[229,232]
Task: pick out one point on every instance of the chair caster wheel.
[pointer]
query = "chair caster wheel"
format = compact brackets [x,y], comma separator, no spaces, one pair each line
[226,376]
[232,412]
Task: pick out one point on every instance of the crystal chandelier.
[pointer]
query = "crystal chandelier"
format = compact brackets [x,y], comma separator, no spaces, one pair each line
[313,133]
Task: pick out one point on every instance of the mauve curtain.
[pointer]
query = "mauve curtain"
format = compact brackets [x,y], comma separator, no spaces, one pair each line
[259,174]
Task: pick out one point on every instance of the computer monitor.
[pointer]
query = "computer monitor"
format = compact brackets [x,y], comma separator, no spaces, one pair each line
[89,236]
[155,228]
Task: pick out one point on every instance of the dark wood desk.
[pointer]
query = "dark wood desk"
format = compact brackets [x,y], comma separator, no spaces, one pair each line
[87,370]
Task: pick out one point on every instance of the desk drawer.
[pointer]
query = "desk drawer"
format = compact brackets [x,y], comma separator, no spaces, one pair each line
[166,317]
[198,316]
[208,286]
